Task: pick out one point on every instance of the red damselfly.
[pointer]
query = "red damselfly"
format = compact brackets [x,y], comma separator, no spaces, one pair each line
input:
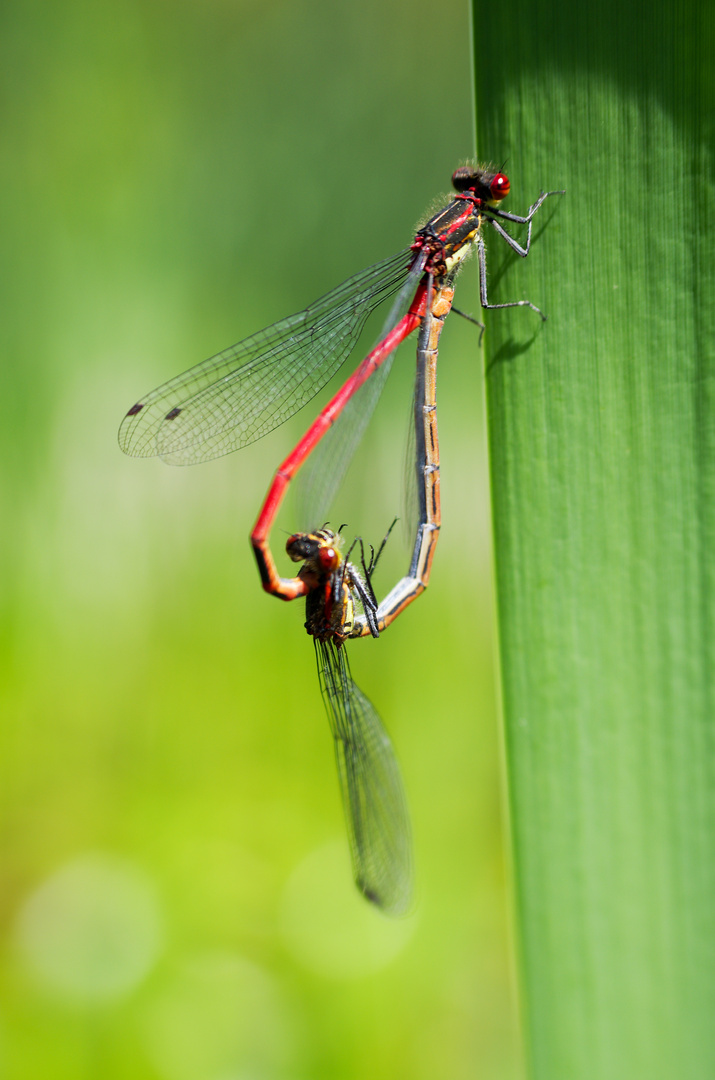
[242,393]
[371,787]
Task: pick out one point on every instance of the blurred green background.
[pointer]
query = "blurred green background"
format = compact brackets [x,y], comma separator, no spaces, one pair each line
[176,890]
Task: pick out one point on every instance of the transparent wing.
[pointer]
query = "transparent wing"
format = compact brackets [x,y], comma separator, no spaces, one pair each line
[371,786]
[325,470]
[244,392]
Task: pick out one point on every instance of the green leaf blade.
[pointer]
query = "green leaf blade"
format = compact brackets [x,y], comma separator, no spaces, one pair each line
[602,453]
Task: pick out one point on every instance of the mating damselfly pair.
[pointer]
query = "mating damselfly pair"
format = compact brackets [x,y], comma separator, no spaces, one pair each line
[242,393]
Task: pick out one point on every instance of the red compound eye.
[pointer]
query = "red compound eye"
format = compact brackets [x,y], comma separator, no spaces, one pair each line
[499,187]
[328,558]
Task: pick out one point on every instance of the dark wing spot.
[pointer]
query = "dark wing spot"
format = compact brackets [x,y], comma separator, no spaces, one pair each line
[370,894]
[135,409]
[173,414]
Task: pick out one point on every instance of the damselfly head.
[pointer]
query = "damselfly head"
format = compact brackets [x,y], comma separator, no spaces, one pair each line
[485,184]
[319,550]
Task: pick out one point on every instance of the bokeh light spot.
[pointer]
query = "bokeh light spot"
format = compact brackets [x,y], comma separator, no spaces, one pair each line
[221,1018]
[92,930]
[329,927]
